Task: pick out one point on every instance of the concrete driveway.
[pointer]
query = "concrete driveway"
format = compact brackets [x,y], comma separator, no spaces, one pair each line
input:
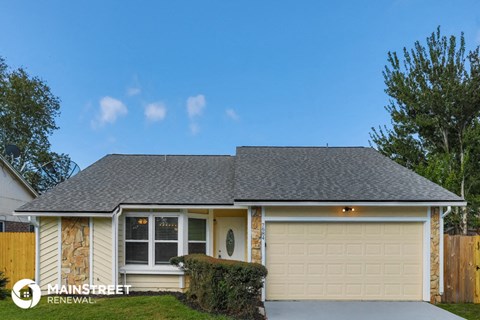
[358,310]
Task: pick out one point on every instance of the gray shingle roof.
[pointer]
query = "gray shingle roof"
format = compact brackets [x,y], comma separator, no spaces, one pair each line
[141,179]
[254,174]
[328,174]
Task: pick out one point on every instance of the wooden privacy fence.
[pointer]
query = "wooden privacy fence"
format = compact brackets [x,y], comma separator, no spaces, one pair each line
[17,256]
[461,269]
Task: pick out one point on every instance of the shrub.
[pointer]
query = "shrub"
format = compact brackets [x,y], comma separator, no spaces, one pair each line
[3,284]
[224,286]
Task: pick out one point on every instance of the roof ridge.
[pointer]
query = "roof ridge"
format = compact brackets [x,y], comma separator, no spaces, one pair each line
[309,147]
[169,155]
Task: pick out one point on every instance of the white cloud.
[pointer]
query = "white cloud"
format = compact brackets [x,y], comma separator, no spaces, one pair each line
[194,128]
[110,110]
[232,114]
[134,88]
[133,91]
[155,111]
[195,105]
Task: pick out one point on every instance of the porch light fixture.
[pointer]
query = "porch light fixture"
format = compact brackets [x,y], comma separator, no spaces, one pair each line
[142,221]
[346,209]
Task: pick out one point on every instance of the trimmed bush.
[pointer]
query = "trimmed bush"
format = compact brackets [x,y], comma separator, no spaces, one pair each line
[3,284]
[224,286]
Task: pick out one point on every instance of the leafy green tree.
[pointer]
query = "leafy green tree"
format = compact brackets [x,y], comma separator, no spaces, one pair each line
[27,118]
[435,108]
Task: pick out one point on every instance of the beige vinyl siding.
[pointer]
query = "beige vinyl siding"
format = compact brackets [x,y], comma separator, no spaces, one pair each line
[147,282]
[344,261]
[49,255]
[337,212]
[102,251]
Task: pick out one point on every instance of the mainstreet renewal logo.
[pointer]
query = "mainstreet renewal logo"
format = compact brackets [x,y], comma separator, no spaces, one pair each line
[30,299]
[83,289]
[26,299]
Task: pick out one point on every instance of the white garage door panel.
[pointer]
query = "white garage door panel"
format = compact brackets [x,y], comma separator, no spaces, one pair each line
[344,261]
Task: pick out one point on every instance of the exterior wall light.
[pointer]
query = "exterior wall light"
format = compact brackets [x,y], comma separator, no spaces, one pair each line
[142,221]
[346,209]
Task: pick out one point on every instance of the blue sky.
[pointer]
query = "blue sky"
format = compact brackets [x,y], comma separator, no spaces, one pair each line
[201,77]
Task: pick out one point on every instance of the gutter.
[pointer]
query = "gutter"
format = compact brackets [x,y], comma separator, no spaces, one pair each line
[327,203]
[441,278]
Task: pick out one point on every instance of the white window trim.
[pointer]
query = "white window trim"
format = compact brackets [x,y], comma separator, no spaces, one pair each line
[151,267]
[207,235]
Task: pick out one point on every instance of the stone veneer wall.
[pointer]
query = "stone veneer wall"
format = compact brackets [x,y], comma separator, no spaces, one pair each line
[256,234]
[75,251]
[435,255]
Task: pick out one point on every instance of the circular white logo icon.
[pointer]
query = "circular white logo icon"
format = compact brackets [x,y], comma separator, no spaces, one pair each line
[23,299]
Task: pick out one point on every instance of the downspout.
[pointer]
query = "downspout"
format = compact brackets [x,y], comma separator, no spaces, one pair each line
[114,247]
[90,256]
[37,248]
[442,216]
[115,216]
[116,242]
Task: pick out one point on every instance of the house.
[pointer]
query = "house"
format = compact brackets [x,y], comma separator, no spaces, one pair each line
[15,191]
[328,223]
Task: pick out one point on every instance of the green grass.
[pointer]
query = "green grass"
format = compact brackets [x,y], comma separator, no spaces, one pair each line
[137,307]
[468,311]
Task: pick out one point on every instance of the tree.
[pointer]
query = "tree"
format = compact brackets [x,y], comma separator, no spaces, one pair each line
[27,118]
[435,107]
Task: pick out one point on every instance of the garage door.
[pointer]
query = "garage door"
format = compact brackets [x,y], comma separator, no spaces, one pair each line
[344,261]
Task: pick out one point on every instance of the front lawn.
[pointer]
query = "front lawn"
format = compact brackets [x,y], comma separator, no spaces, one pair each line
[468,311]
[122,308]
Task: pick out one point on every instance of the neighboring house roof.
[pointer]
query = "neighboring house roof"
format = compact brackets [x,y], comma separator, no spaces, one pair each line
[4,163]
[254,174]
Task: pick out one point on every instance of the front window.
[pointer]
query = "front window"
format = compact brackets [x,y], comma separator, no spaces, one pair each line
[197,235]
[152,239]
[166,239]
[136,240]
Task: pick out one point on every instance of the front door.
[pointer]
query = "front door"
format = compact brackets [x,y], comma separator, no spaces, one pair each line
[230,236]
